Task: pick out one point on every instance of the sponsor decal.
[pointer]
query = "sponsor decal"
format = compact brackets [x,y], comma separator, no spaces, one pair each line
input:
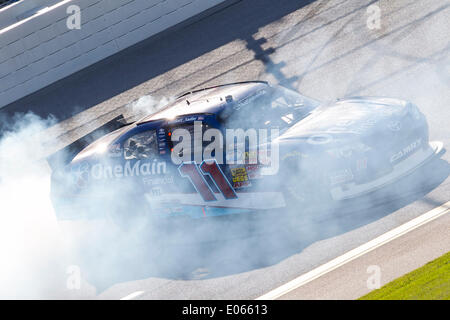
[162,141]
[249,100]
[114,150]
[139,168]
[84,172]
[294,154]
[406,151]
[251,156]
[361,164]
[186,119]
[241,184]
[80,174]
[253,171]
[365,126]
[240,177]
[347,125]
[348,151]
[155,192]
[154,181]
[320,139]
[341,176]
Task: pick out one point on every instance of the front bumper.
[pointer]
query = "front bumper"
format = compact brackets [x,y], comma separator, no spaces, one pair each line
[401,169]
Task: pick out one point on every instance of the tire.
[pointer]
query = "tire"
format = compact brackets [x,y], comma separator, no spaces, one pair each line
[130,216]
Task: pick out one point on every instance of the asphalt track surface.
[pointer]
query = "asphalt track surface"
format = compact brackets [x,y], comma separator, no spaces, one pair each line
[325,50]
[399,256]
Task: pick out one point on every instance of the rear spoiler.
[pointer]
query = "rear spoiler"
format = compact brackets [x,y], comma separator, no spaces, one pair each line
[63,157]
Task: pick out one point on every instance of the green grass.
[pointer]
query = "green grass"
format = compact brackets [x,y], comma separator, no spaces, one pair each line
[430,282]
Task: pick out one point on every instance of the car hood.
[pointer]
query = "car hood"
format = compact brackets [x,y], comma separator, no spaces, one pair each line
[349,117]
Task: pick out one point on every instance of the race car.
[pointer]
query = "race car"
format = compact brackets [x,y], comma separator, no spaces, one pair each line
[242,148]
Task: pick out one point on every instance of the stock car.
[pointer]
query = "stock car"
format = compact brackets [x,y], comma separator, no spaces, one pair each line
[285,150]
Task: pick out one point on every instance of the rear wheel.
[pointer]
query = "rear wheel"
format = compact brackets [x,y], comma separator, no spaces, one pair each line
[129,216]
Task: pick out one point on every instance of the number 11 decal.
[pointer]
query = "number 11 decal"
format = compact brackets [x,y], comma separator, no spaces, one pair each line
[209,168]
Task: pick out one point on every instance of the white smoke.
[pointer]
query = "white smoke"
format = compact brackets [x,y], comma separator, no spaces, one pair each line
[148,104]
[29,238]
[36,255]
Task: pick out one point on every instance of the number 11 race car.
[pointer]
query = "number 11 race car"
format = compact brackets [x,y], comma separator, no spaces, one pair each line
[241,148]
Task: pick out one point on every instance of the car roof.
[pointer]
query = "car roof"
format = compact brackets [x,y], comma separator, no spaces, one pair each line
[206,101]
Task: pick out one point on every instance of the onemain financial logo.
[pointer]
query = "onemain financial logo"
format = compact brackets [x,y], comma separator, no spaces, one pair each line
[238,146]
[84,172]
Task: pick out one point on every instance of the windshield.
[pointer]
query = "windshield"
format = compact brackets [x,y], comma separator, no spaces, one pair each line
[275,107]
[143,145]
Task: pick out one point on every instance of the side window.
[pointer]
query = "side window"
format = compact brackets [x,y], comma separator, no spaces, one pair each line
[247,113]
[277,108]
[141,146]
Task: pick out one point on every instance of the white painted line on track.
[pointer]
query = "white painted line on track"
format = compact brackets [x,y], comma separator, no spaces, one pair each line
[133,295]
[357,252]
